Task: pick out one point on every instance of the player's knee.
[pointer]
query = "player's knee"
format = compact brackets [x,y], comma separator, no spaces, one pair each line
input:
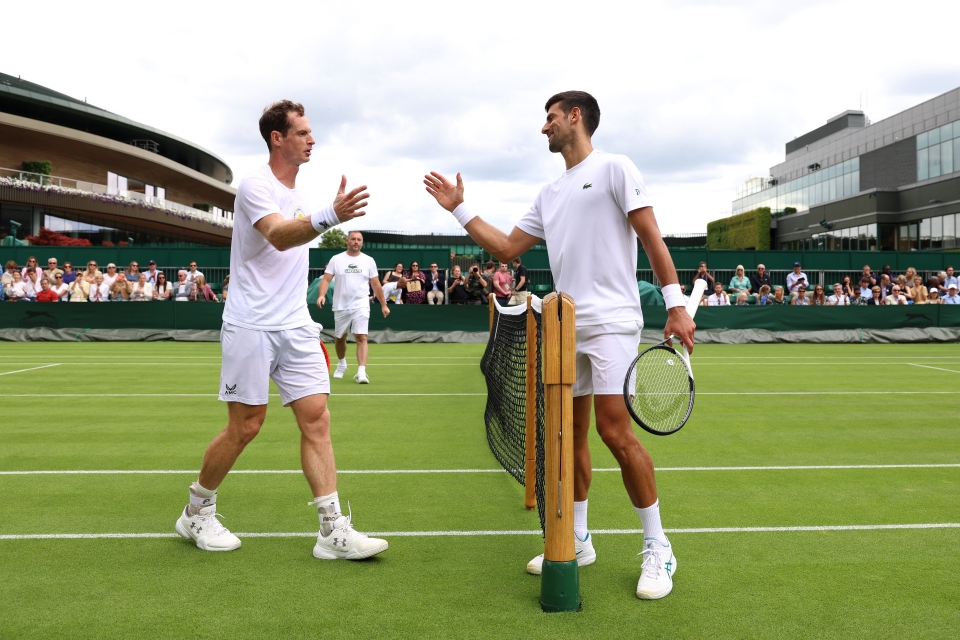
[360,338]
[247,430]
[617,438]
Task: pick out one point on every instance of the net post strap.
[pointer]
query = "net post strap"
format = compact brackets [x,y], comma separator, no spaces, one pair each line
[530,410]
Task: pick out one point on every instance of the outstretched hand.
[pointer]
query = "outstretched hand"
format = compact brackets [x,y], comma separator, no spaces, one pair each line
[448,195]
[348,206]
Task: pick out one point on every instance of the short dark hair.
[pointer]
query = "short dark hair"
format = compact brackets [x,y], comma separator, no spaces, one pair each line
[276,118]
[589,109]
[490,264]
[516,261]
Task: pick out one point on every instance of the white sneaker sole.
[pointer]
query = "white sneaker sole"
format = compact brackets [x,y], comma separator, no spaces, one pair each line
[363,380]
[184,533]
[535,566]
[321,553]
[663,592]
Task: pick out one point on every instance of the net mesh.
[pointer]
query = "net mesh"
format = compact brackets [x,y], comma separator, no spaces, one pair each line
[504,367]
[662,389]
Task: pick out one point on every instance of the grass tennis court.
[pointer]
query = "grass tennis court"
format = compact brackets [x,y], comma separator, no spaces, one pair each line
[870,433]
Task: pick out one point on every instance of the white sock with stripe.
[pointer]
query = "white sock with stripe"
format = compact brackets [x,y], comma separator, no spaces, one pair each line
[580,520]
[650,521]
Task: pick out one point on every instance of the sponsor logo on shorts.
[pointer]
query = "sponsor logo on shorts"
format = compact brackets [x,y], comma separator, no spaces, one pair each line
[230,391]
[352,268]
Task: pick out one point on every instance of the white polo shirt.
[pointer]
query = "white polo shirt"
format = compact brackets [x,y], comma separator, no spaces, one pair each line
[582,216]
[353,275]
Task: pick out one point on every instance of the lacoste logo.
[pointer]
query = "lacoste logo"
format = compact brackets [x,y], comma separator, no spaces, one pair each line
[351,266]
[588,185]
[230,391]
[340,542]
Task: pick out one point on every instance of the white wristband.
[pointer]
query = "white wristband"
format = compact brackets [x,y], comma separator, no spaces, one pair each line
[325,219]
[463,214]
[673,296]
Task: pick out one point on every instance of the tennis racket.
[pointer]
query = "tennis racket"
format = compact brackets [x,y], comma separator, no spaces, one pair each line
[658,388]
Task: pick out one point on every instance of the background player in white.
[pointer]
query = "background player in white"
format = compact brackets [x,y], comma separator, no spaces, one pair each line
[590,218]
[355,273]
[268,334]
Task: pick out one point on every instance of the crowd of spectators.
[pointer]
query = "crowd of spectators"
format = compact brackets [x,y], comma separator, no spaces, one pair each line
[884,288]
[53,284]
[474,287]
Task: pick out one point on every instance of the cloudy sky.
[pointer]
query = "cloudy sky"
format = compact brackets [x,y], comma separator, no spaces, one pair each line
[701,95]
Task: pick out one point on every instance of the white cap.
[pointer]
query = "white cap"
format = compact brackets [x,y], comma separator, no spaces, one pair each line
[953,285]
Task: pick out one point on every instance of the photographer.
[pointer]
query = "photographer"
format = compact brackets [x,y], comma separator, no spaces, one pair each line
[475,285]
[455,287]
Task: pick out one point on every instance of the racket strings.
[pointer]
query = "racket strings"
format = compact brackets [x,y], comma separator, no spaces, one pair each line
[661,388]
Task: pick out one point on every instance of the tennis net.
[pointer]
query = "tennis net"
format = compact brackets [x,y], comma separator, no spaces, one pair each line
[506,368]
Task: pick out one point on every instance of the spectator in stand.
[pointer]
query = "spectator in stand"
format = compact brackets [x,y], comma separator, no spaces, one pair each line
[226,286]
[521,290]
[31,263]
[193,274]
[951,297]
[876,296]
[51,272]
[950,279]
[886,272]
[46,294]
[393,284]
[16,291]
[90,275]
[895,296]
[703,274]
[475,285]
[416,291]
[69,275]
[739,282]
[885,285]
[141,290]
[32,284]
[434,285]
[819,298]
[163,290]
[132,273]
[933,297]
[718,298]
[759,279]
[935,281]
[797,278]
[502,283]
[800,297]
[455,287]
[742,300]
[79,290]
[917,294]
[902,283]
[120,291]
[489,270]
[99,292]
[11,268]
[839,298]
[205,291]
[866,273]
[866,288]
[184,290]
[62,290]
[152,272]
[848,289]
[777,297]
[763,295]
[909,276]
[110,277]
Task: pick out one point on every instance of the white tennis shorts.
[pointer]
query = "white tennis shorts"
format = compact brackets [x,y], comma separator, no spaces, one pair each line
[292,358]
[351,320]
[604,354]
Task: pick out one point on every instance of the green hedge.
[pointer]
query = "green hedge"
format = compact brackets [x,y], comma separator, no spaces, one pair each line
[748,230]
[44,167]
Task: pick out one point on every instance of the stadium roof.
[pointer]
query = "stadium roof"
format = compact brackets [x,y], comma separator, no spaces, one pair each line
[29,100]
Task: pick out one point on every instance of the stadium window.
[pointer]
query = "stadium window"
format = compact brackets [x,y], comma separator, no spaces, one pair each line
[949,232]
[936,233]
[923,164]
[924,234]
[934,152]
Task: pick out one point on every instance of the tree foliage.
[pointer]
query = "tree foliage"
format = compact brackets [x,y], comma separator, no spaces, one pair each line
[334,239]
[44,167]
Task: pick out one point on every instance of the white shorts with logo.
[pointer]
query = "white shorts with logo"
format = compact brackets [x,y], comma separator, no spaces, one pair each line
[292,358]
[604,354]
[351,320]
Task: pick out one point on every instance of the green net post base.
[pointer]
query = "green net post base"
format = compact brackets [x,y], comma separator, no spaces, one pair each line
[559,586]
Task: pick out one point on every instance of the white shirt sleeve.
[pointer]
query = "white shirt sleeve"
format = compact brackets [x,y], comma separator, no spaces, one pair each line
[372,270]
[532,221]
[256,200]
[627,186]
[331,267]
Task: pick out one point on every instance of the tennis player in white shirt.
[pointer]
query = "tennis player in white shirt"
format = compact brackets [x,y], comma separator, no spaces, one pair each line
[268,334]
[590,218]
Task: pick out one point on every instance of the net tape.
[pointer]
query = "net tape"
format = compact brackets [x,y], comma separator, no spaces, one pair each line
[504,367]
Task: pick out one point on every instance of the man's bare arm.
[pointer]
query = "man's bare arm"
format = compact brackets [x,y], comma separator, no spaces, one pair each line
[679,322]
[504,247]
[378,295]
[285,234]
[324,285]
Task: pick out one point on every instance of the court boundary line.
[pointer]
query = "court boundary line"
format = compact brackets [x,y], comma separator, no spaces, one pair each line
[924,366]
[145,472]
[46,366]
[506,532]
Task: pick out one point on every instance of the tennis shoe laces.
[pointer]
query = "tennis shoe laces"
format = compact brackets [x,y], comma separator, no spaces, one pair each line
[585,555]
[346,543]
[362,378]
[340,370]
[656,572]
[205,529]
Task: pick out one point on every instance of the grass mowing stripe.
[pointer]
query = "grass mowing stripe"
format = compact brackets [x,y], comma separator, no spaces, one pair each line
[508,532]
[414,471]
[46,366]
[914,364]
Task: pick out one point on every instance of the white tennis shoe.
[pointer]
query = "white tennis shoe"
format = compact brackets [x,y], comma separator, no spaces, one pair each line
[206,530]
[340,370]
[346,543]
[656,573]
[585,555]
[362,378]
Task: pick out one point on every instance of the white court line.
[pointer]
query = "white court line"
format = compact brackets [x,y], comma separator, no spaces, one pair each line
[913,364]
[213,395]
[47,366]
[68,472]
[507,532]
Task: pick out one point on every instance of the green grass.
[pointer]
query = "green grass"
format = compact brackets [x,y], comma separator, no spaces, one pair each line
[855,583]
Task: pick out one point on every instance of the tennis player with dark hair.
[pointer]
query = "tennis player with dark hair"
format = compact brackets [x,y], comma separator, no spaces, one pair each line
[590,218]
[268,335]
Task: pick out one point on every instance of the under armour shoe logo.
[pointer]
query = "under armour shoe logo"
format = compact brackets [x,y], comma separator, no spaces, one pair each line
[230,391]
[340,542]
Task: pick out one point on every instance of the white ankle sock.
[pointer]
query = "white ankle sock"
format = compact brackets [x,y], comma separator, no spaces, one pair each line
[200,497]
[341,362]
[650,521]
[361,369]
[580,520]
[332,500]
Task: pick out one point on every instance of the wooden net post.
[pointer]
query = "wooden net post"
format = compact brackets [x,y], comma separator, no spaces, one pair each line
[560,582]
[530,458]
[492,308]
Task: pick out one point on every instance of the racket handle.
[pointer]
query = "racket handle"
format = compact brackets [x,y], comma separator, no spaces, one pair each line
[695,296]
